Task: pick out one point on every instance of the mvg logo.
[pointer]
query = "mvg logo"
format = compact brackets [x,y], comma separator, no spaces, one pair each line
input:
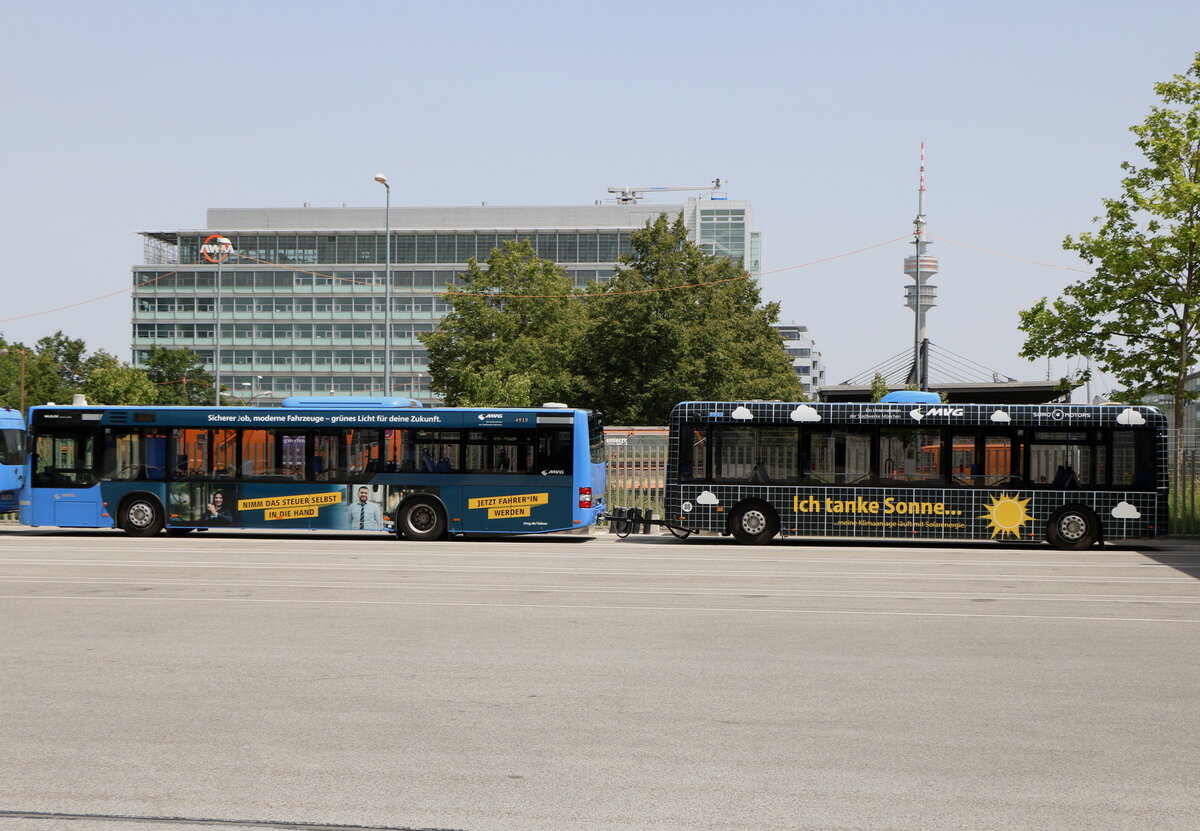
[935,411]
[216,249]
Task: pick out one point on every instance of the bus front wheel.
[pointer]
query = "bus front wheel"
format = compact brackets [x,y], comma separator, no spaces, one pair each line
[1073,528]
[141,516]
[421,518]
[753,523]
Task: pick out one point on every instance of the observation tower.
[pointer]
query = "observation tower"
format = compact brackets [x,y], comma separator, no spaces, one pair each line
[921,294]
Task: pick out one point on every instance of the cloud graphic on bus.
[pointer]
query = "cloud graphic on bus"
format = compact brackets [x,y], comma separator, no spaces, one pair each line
[1130,416]
[707,498]
[1126,511]
[1001,417]
[805,413]
[742,414]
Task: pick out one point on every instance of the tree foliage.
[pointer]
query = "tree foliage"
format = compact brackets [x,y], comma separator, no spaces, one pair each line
[676,324]
[109,381]
[1138,316]
[879,387]
[178,376]
[58,368]
[673,323]
[510,334]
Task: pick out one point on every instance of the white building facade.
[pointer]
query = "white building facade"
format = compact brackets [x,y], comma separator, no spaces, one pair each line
[806,358]
[302,299]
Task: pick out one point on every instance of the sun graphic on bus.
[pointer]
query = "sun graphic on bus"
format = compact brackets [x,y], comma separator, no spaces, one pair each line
[1006,514]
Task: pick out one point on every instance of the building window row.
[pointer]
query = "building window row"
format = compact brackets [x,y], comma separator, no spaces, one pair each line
[287,359]
[276,331]
[367,282]
[360,305]
[311,249]
[248,388]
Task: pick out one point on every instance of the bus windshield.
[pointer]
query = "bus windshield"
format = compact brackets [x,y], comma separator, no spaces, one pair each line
[12,444]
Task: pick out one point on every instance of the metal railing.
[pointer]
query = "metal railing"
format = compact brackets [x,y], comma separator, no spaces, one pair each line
[637,467]
[1184,467]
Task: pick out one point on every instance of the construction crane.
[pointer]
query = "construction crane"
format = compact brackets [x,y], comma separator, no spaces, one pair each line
[630,196]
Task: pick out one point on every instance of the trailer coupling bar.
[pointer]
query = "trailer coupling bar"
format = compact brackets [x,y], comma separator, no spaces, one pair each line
[626,521]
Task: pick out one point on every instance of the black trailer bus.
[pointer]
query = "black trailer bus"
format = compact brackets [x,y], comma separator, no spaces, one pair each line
[1070,475]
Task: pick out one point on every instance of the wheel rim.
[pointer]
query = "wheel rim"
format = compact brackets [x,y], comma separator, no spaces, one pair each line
[1072,527]
[754,521]
[421,519]
[140,515]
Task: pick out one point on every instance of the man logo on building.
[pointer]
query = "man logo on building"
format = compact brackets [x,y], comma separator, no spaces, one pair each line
[216,249]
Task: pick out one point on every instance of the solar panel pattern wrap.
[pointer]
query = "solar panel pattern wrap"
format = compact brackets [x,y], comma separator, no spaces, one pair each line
[925,471]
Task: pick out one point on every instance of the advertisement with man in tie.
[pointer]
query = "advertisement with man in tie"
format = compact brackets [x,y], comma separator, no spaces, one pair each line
[363,513]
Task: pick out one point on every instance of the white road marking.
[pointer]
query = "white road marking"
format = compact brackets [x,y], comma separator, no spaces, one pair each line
[612,608]
[738,591]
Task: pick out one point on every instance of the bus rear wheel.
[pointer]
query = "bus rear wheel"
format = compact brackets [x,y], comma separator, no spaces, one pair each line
[421,518]
[141,516]
[753,523]
[1073,528]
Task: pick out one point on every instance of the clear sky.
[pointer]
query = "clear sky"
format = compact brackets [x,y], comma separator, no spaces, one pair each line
[129,116]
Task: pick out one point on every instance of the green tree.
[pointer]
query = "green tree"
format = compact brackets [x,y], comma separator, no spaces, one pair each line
[1138,316]
[179,377]
[879,387]
[677,324]
[50,372]
[68,356]
[109,381]
[510,333]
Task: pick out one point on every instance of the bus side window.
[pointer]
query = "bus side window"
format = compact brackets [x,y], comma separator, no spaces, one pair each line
[554,450]
[837,456]
[65,460]
[1133,459]
[693,453]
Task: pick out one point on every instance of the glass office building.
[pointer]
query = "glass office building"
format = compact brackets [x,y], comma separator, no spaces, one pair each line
[806,358]
[302,298]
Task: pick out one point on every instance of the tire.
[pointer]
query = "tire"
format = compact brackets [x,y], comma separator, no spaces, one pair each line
[421,518]
[1073,528]
[141,516]
[753,523]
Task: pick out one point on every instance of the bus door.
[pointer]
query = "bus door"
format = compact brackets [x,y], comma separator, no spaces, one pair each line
[553,469]
[64,488]
[503,491]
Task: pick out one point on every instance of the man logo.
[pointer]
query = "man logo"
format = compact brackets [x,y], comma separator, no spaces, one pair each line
[216,249]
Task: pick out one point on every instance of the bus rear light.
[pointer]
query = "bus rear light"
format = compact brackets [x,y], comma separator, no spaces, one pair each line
[585,497]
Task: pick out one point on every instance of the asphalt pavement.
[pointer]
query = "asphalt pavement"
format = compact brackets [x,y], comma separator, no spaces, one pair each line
[308,681]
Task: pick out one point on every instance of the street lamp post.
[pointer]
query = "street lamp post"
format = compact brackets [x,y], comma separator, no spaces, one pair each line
[252,386]
[22,353]
[216,249]
[387,285]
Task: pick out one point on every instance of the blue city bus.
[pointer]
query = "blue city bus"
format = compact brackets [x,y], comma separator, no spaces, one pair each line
[919,469]
[338,463]
[12,459]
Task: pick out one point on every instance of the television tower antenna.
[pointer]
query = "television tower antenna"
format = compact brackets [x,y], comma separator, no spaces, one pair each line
[920,296]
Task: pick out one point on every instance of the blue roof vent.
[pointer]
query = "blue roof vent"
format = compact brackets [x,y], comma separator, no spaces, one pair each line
[347,402]
[911,397]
